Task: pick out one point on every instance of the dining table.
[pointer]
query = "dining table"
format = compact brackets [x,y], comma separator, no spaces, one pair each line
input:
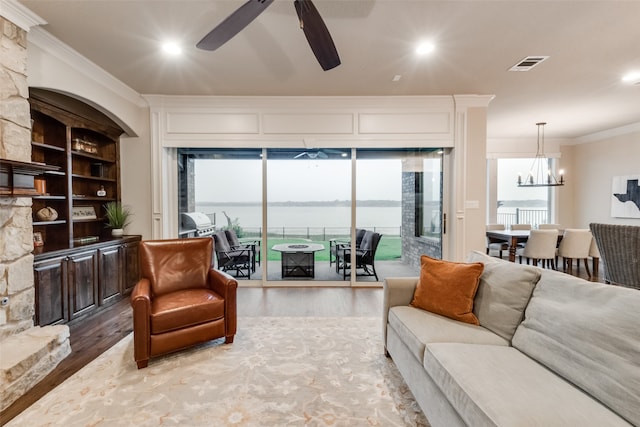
[513,238]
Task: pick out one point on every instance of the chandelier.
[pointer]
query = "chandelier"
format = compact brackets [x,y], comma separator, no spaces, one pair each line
[540,174]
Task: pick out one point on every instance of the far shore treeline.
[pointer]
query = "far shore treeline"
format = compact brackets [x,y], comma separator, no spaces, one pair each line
[315,203]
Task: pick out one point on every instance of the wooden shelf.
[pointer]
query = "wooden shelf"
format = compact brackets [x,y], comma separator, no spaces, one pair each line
[47,146]
[16,178]
[56,222]
[92,156]
[92,178]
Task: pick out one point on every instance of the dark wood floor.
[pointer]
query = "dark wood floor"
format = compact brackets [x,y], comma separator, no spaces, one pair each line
[94,335]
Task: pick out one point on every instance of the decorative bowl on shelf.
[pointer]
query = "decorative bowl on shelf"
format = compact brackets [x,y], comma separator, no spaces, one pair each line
[47,214]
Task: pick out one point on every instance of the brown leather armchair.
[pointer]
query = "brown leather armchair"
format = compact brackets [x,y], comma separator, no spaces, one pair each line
[180,299]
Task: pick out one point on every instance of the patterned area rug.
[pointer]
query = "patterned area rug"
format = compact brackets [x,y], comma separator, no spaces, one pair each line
[280,371]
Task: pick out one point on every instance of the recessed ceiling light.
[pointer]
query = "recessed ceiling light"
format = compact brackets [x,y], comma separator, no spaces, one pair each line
[171,48]
[632,78]
[425,48]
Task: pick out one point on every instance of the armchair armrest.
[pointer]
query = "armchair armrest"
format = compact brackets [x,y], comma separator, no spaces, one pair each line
[226,286]
[141,305]
[396,291]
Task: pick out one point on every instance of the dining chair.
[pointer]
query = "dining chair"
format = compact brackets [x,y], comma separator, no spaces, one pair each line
[549,227]
[541,245]
[493,244]
[575,244]
[521,226]
[594,253]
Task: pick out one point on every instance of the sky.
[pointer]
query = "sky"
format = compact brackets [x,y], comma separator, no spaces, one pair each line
[508,189]
[299,180]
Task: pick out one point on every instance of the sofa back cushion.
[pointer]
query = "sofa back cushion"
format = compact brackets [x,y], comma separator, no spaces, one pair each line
[503,293]
[587,333]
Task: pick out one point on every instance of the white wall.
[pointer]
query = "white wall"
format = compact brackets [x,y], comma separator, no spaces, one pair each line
[595,164]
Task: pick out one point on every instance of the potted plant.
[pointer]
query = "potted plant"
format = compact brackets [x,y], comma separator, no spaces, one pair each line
[118,217]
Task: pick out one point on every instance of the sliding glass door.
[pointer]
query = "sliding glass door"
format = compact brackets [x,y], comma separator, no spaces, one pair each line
[308,207]
[337,216]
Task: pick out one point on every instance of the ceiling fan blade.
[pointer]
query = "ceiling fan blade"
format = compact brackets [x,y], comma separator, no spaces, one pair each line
[304,153]
[233,24]
[317,34]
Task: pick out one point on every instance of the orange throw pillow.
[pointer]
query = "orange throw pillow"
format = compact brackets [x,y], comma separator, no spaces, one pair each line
[448,288]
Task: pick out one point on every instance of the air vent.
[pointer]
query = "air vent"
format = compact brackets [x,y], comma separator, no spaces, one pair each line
[528,63]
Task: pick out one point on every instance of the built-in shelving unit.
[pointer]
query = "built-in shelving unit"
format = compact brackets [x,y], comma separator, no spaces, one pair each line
[84,144]
[80,268]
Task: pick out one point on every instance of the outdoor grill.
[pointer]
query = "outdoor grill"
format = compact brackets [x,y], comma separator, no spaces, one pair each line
[199,222]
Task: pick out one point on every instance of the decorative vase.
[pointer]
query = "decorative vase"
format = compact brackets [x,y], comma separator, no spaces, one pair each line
[117,232]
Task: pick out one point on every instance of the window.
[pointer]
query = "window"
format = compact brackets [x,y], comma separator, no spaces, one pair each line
[520,205]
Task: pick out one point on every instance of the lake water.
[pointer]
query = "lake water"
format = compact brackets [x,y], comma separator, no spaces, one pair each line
[250,217]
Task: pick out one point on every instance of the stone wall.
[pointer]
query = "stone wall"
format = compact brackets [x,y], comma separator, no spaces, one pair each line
[27,353]
[414,246]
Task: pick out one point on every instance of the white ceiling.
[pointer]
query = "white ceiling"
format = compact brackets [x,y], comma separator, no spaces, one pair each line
[578,90]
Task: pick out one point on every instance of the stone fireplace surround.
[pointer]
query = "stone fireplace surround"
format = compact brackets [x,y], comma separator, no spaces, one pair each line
[27,352]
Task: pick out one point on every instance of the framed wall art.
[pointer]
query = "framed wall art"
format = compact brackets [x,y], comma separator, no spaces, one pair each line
[625,196]
[84,212]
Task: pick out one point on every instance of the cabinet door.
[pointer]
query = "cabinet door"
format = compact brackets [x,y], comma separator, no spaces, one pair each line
[83,283]
[51,291]
[131,266]
[109,274]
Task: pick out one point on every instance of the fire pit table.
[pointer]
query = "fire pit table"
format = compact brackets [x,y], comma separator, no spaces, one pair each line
[298,259]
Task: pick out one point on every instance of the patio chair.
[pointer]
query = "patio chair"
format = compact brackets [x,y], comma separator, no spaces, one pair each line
[253,246]
[619,247]
[335,243]
[230,259]
[365,256]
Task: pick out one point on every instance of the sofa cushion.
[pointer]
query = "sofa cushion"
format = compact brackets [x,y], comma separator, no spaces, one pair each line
[448,288]
[587,333]
[500,386]
[418,327]
[503,293]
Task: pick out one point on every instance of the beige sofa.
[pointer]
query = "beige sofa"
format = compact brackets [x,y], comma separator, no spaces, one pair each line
[551,350]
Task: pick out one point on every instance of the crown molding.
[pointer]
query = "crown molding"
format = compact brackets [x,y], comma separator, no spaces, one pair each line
[53,46]
[20,15]
[608,134]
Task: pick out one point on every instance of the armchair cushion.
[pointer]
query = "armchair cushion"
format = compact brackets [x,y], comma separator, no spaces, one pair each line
[189,307]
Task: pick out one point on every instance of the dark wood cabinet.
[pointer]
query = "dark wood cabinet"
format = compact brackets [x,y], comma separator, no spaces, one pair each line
[51,291]
[111,269]
[82,283]
[75,282]
[131,268]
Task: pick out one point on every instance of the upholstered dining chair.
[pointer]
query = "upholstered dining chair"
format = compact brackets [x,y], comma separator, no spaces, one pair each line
[541,245]
[575,245]
[619,247]
[549,227]
[180,300]
[521,226]
[496,245]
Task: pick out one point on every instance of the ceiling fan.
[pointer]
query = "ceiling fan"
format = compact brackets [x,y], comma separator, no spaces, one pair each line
[320,154]
[311,24]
